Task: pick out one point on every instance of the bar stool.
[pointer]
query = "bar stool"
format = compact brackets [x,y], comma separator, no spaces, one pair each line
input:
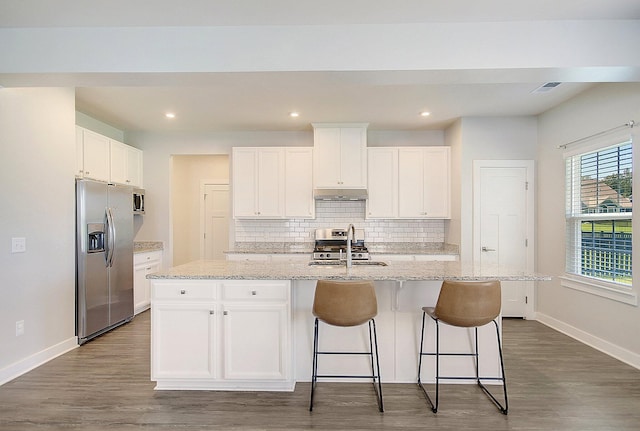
[466,305]
[344,304]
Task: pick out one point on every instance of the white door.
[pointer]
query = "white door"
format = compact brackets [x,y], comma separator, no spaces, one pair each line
[503,226]
[216,221]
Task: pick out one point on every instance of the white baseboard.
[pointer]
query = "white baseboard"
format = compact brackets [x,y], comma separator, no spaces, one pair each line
[622,354]
[29,363]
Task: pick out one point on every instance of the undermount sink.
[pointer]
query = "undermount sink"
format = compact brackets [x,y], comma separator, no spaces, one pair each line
[343,263]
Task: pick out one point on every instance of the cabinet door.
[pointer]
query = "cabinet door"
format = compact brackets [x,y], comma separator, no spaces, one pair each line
[298,183]
[79,153]
[140,288]
[256,341]
[270,183]
[134,167]
[353,157]
[411,183]
[326,157]
[95,155]
[183,340]
[118,163]
[144,264]
[437,189]
[245,176]
[382,169]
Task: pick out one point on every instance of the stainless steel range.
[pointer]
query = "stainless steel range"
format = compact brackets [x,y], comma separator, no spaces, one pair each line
[331,244]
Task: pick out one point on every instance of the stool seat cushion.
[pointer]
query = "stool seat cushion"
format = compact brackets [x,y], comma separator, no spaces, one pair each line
[345,303]
[467,304]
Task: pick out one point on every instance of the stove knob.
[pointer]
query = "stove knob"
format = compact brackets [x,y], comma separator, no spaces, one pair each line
[328,255]
[360,255]
[321,255]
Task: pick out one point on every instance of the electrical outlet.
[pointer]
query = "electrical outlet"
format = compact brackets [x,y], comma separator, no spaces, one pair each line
[19,328]
[18,245]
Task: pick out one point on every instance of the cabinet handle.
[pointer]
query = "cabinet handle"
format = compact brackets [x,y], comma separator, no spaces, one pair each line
[149,269]
[211,312]
[182,292]
[87,172]
[225,312]
[254,293]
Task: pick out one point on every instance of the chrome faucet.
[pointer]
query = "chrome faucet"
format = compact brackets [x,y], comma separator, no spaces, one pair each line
[351,236]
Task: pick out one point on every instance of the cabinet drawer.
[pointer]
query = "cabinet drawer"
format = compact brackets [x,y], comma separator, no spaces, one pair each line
[186,291]
[252,291]
[147,257]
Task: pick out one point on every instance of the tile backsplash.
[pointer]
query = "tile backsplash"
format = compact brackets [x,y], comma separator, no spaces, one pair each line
[338,214]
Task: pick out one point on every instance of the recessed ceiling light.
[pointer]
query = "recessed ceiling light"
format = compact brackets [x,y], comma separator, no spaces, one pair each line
[170,115]
[294,114]
[425,114]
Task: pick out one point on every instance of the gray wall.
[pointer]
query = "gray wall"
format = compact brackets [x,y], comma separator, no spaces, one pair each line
[604,323]
[37,165]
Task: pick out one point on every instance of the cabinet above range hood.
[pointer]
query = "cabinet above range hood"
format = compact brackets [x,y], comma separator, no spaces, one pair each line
[340,194]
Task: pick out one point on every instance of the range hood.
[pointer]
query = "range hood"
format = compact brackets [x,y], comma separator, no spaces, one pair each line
[340,194]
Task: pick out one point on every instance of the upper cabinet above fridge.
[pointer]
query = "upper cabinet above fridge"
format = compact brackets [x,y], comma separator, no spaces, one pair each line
[340,155]
[101,158]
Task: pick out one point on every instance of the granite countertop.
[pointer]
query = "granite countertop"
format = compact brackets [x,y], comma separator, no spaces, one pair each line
[431,248]
[438,248]
[145,246]
[271,248]
[394,271]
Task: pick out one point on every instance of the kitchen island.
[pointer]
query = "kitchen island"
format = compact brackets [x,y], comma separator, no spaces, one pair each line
[247,325]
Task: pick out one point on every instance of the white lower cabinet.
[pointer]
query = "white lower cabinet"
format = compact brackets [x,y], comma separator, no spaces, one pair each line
[144,264]
[254,335]
[187,347]
[222,335]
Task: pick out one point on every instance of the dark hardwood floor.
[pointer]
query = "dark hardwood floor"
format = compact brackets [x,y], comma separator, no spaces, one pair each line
[555,383]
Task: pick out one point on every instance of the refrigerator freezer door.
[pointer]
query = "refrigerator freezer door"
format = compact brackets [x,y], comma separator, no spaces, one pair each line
[121,260]
[92,281]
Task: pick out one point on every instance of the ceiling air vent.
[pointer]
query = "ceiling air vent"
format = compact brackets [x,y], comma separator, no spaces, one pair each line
[546,87]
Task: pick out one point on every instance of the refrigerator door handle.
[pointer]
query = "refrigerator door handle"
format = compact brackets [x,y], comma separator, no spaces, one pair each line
[111,240]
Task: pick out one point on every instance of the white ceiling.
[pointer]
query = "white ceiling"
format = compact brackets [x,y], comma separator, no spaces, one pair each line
[82,13]
[388,100]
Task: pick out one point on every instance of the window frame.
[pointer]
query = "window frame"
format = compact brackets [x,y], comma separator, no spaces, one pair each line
[616,291]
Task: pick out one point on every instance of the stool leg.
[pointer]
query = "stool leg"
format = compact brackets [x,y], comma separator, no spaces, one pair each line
[434,407]
[477,359]
[314,371]
[375,371]
[503,409]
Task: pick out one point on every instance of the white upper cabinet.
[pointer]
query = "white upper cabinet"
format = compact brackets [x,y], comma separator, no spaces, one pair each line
[273,182]
[125,164]
[340,156]
[424,185]
[382,182]
[93,155]
[258,182]
[299,202]
[103,159]
[409,183]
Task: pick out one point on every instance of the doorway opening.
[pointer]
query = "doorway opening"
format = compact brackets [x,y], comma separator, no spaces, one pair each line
[190,176]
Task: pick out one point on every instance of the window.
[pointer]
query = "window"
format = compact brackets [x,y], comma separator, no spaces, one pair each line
[599,215]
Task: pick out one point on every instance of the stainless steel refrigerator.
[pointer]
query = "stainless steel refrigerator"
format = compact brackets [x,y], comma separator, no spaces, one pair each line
[104,257]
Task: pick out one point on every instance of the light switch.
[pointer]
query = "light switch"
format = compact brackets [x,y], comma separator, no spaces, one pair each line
[18,245]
